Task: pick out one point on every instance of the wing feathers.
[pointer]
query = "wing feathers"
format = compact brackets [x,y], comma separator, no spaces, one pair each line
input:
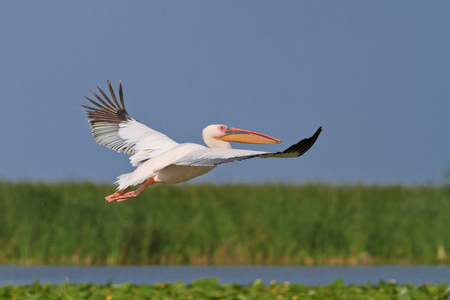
[112,127]
[112,92]
[106,111]
[121,95]
[108,106]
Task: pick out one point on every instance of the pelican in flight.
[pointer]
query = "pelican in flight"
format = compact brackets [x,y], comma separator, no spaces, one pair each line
[160,160]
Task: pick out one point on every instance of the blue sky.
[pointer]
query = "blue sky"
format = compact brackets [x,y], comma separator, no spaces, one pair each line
[374,74]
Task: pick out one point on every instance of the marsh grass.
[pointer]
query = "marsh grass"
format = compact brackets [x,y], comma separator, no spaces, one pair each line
[71,224]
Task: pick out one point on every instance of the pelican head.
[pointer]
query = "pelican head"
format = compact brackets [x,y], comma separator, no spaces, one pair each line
[219,136]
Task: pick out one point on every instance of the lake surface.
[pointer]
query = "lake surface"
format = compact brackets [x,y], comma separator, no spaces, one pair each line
[317,275]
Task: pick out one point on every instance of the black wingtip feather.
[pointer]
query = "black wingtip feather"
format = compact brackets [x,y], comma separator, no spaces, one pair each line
[109,102]
[304,145]
[113,95]
[121,95]
[107,110]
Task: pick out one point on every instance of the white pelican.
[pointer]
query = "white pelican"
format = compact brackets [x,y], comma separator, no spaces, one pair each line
[159,159]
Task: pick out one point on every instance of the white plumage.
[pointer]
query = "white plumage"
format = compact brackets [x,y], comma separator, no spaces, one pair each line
[160,160]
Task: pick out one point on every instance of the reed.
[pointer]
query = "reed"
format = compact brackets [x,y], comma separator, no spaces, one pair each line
[71,224]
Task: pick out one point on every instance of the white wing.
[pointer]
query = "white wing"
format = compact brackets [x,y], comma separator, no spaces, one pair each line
[112,127]
[219,156]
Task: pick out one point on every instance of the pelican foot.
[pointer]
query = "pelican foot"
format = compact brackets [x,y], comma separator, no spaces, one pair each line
[115,195]
[127,196]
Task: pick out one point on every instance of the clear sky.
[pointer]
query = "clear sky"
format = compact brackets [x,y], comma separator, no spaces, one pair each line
[374,74]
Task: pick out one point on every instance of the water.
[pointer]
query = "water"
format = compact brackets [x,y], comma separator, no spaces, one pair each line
[317,275]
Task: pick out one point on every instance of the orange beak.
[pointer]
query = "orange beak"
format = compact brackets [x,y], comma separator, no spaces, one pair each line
[246,136]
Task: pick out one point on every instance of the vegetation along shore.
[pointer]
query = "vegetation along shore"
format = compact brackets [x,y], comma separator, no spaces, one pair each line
[211,289]
[265,224]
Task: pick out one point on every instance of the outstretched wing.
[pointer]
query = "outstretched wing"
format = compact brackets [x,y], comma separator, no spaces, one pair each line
[112,127]
[217,156]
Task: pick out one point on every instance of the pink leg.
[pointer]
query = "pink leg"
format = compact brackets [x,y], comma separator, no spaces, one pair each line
[136,192]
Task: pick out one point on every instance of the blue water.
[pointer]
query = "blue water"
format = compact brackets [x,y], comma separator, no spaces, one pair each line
[317,275]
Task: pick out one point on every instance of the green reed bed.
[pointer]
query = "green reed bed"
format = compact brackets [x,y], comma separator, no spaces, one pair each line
[211,289]
[71,224]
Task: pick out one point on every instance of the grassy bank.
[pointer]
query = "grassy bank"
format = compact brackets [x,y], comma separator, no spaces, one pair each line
[211,289]
[71,224]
